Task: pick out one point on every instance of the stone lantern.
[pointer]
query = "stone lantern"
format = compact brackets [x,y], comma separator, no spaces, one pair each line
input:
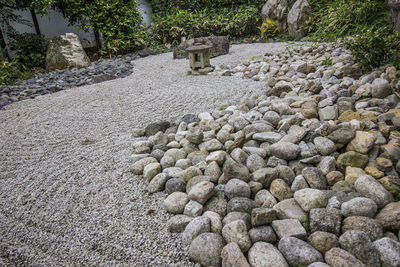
[199,59]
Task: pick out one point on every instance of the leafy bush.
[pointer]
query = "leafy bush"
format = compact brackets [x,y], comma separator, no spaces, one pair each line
[170,27]
[165,6]
[374,43]
[10,72]
[119,21]
[375,47]
[30,48]
[334,19]
[269,29]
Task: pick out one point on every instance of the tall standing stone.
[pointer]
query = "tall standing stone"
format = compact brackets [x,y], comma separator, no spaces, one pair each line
[297,18]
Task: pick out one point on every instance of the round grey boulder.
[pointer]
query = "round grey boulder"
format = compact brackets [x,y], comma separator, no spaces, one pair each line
[309,199]
[389,251]
[369,187]
[359,206]
[284,150]
[263,254]
[359,244]
[236,231]
[175,185]
[196,227]
[241,204]
[176,202]
[237,188]
[206,249]
[297,251]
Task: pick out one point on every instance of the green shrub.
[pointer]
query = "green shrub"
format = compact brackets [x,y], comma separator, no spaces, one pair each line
[375,47]
[328,61]
[338,18]
[10,72]
[30,49]
[119,21]
[165,6]
[170,27]
[269,29]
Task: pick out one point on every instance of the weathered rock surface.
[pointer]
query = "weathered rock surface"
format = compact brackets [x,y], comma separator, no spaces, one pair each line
[66,51]
[206,249]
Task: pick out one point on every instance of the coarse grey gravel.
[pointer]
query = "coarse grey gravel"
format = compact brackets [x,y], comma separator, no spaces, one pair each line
[66,195]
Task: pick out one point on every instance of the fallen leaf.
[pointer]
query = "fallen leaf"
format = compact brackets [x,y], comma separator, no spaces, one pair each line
[150,212]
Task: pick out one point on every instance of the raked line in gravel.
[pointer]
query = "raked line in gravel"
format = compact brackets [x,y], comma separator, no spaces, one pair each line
[67,197]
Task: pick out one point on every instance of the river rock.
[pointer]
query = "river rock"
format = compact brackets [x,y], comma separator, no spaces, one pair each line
[262,216]
[196,227]
[262,233]
[176,202]
[369,226]
[323,241]
[337,257]
[359,244]
[236,231]
[370,188]
[289,209]
[201,192]
[232,256]
[236,170]
[285,150]
[241,204]
[263,254]
[359,206]
[289,227]
[314,177]
[178,223]
[206,249]
[389,251]
[389,216]
[310,199]
[326,220]
[297,251]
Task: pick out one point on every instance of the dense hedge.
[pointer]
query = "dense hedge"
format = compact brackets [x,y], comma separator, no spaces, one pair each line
[374,42]
[164,6]
[170,27]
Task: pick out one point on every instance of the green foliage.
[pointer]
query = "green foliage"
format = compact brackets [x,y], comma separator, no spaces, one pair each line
[375,47]
[374,43]
[11,71]
[31,49]
[119,21]
[166,6]
[305,222]
[269,29]
[170,27]
[328,61]
[338,18]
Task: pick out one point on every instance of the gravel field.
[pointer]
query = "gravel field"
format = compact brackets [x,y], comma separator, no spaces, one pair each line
[67,197]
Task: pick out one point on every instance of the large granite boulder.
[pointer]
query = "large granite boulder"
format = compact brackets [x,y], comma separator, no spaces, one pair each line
[219,46]
[394,6]
[297,18]
[276,10]
[66,51]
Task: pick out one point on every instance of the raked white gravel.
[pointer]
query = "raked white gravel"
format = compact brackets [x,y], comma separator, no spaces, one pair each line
[67,197]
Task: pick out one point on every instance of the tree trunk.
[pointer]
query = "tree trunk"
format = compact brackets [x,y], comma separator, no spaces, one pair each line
[3,45]
[97,38]
[35,21]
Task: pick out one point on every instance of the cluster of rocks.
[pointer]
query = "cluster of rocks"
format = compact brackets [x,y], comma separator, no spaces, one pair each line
[305,175]
[54,81]
[289,15]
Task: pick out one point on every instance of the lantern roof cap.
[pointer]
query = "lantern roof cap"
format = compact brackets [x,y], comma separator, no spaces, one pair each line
[198,47]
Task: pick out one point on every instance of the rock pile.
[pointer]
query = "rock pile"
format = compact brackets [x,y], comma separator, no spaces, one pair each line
[54,81]
[305,175]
